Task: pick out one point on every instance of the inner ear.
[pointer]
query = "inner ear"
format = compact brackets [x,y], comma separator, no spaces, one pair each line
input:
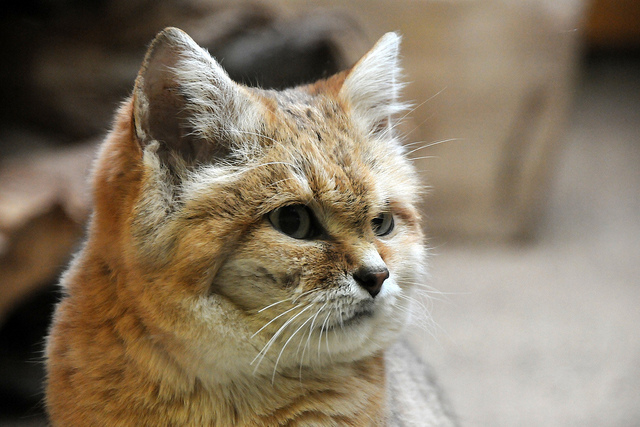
[162,100]
[166,119]
[169,122]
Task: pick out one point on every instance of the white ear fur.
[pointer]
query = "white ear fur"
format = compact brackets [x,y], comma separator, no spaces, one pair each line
[186,101]
[214,98]
[373,85]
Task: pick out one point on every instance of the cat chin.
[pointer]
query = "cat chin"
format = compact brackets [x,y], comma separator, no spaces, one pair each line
[361,336]
[365,336]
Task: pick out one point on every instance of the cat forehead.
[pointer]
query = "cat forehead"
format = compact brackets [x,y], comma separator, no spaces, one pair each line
[305,148]
[314,127]
[317,130]
[301,107]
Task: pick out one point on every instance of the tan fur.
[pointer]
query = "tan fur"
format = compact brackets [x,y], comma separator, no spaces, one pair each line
[170,306]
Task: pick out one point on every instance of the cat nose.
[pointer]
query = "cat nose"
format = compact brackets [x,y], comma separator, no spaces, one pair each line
[371,279]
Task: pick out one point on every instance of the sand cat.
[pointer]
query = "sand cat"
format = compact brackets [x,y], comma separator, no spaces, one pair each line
[250,257]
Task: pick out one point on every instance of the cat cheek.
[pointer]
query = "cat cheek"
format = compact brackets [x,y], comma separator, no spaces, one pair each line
[291,280]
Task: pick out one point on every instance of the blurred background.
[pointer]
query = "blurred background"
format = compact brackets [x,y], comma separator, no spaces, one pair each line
[526,128]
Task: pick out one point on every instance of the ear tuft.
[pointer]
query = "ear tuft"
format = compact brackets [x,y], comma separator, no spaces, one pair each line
[373,85]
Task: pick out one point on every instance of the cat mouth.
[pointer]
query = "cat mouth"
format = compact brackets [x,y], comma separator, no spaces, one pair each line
[351,316]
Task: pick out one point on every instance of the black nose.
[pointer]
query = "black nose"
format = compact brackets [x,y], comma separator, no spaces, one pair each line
[371,279]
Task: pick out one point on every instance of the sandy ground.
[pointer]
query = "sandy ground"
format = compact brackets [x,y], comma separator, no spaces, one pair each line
[548,333]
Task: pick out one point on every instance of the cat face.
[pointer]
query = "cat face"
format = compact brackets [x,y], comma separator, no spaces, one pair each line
[279,229]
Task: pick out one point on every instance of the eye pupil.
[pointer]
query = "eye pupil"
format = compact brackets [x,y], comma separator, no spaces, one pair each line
[289,220]
[383,224]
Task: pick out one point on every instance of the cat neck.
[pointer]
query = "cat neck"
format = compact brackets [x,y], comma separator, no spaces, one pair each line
[353,391]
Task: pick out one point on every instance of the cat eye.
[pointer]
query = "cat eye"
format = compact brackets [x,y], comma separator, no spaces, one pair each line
[295,221]
[383,224]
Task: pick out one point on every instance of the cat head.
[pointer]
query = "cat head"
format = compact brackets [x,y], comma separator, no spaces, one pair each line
[266,229]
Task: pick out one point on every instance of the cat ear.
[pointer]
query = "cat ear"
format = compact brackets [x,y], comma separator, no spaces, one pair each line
[372,86]
[185,101]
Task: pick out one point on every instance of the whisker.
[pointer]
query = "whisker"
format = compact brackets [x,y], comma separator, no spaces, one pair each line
[297,297]
[427,295]
[416,307]
[302,341]
[267,346]
[423,102]
[311,331]
[422,158]
[292,299]
[325,331]
[421,319]
[432,144]
[286,343]
[274,319]
[423,287]
[275,303]
[429,117]
[301,363]
[411,144]
[326,339]
[418,126]
[421,314]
